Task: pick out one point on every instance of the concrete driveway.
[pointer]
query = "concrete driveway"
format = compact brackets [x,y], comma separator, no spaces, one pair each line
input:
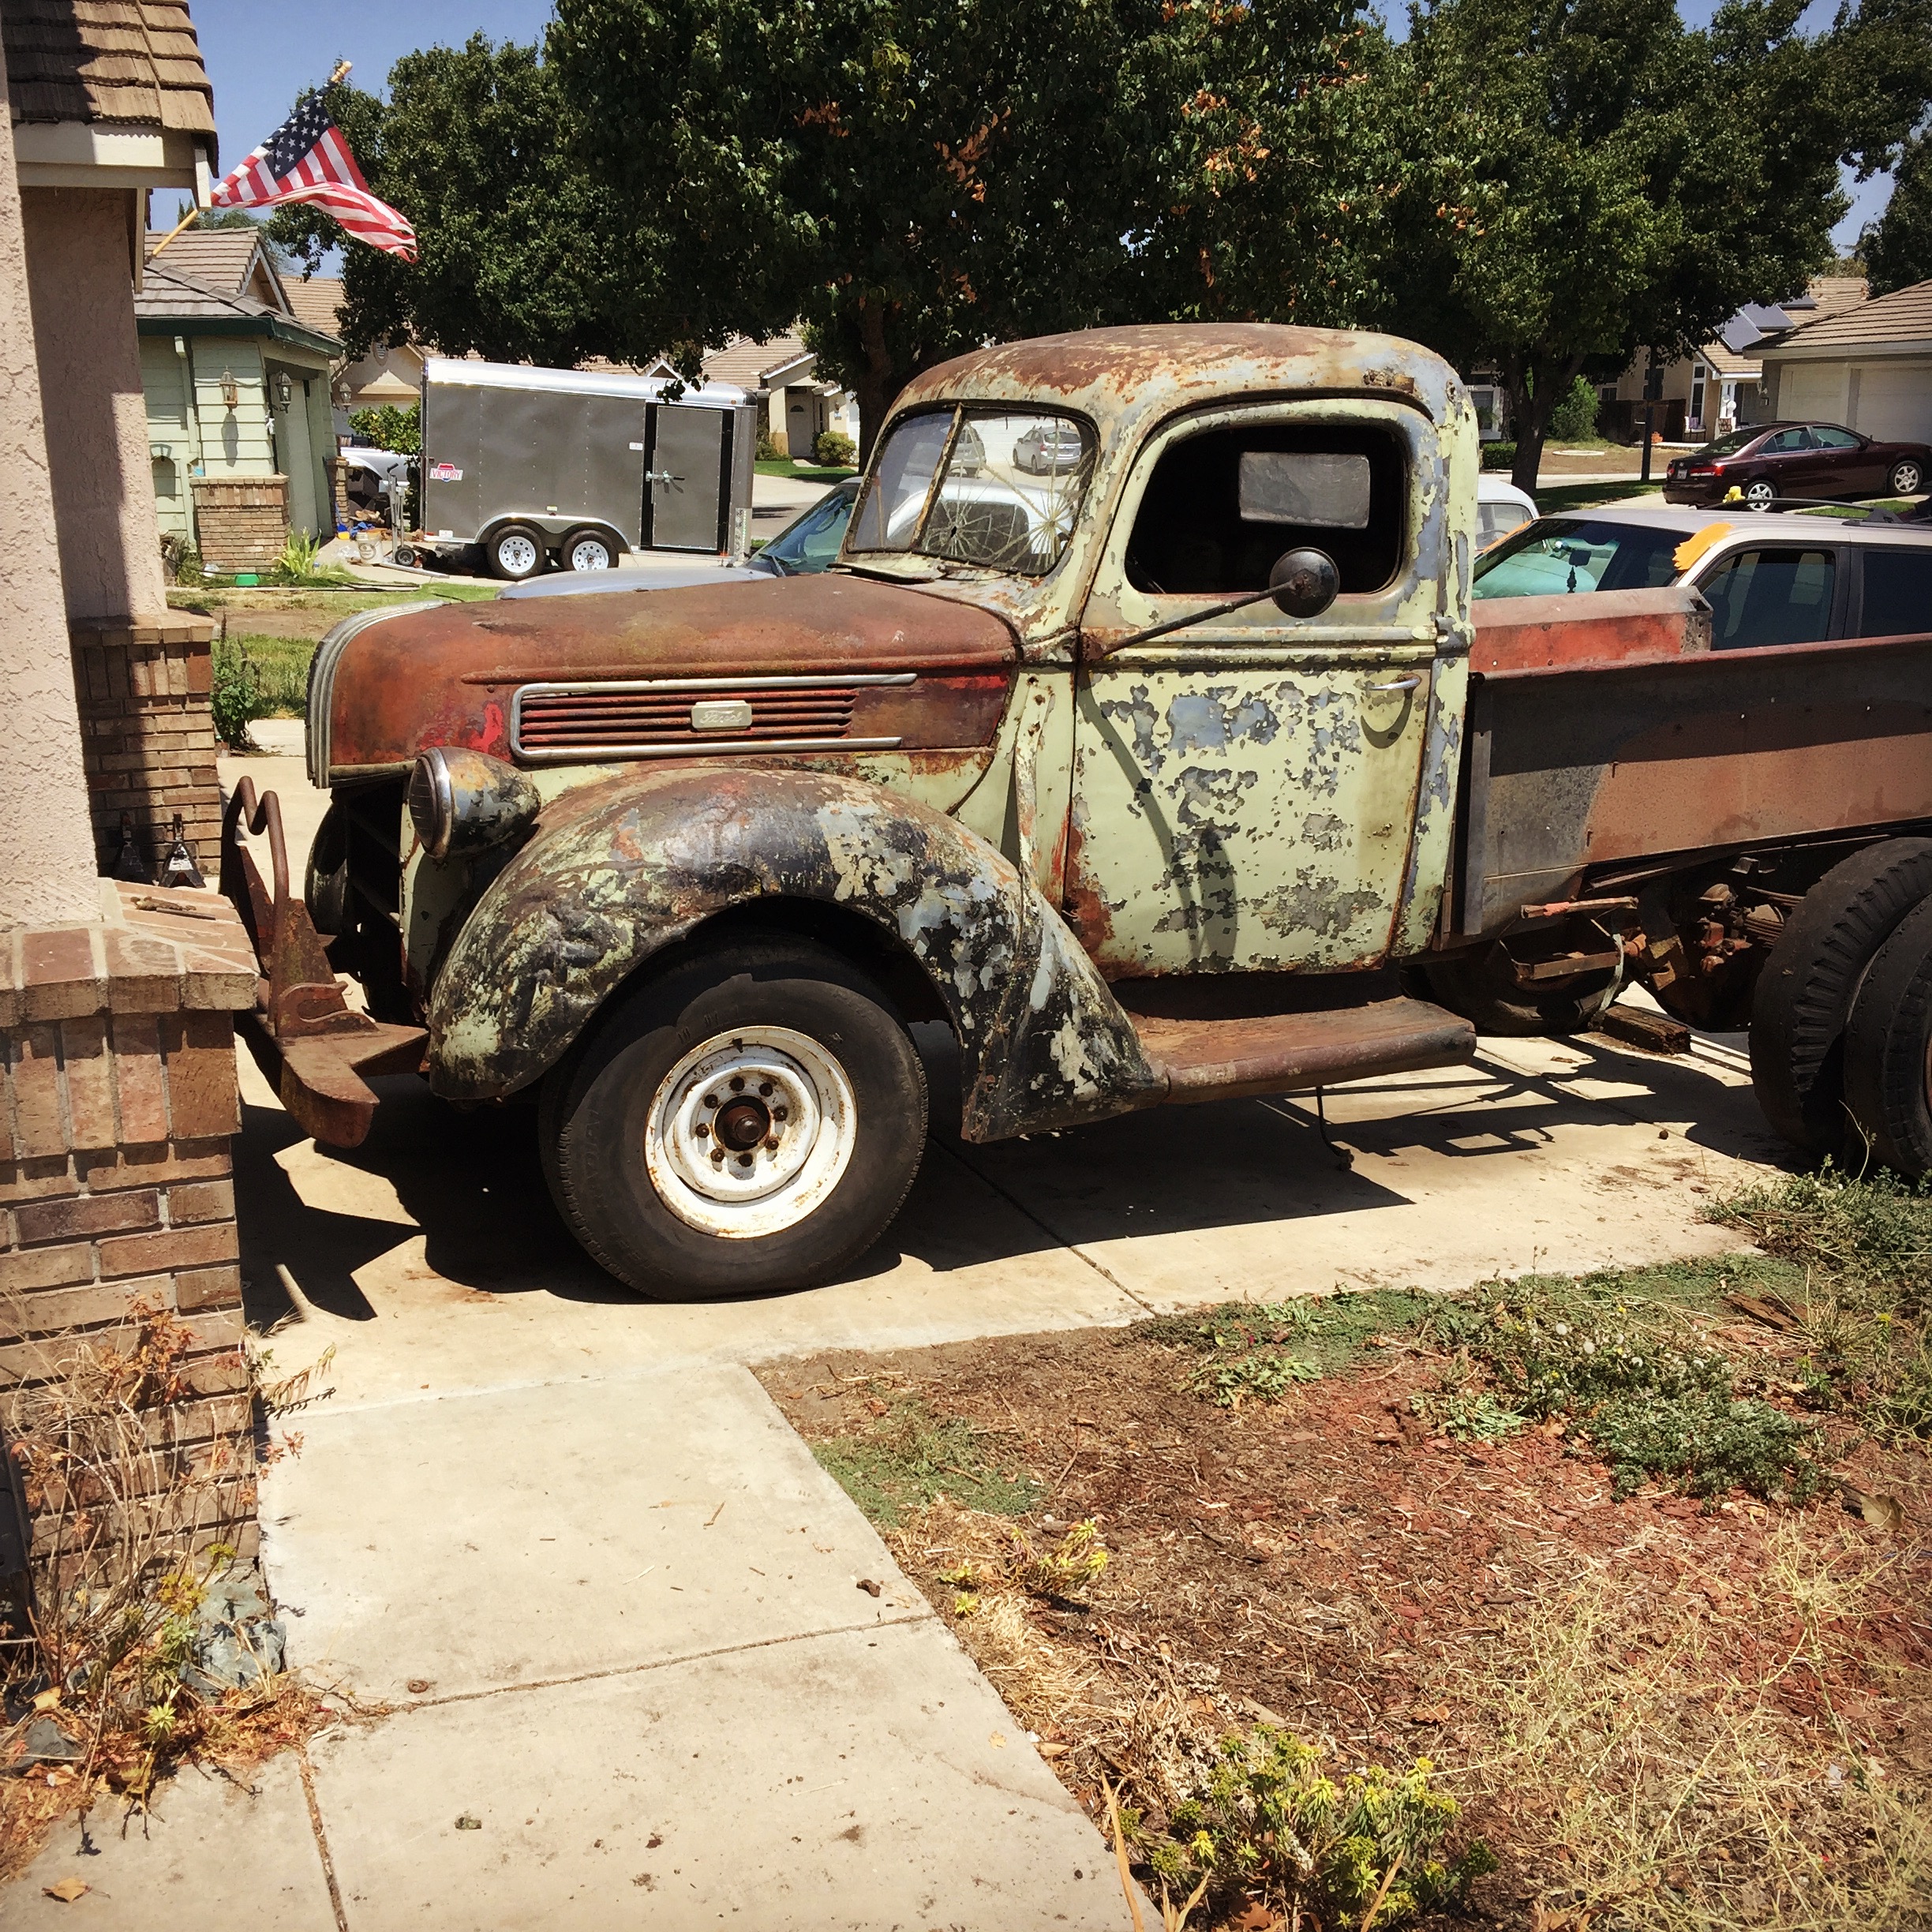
[593,1594]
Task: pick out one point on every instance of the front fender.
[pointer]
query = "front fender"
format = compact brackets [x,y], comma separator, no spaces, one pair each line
[640,861]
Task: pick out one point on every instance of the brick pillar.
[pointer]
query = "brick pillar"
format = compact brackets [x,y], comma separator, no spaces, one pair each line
[117,1209]
[243,520]
[147,735]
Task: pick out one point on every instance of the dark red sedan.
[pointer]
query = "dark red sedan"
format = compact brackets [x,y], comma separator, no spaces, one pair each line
[1770,460]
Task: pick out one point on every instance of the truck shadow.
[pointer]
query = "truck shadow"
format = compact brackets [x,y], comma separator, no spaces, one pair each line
[470,1187]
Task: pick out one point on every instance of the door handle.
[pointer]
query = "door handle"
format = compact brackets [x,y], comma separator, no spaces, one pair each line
[662,476]
[1401,684]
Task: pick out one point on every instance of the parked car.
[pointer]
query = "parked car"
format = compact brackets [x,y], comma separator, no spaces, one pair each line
[1805,459]
[1500,507]
[1798,580]
[808,543]
[1049,449]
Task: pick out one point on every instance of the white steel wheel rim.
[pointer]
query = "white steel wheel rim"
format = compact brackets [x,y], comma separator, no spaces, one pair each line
[696,1149]
[588,554]
[518,554]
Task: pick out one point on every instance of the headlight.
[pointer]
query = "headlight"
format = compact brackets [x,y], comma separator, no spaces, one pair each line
[467,801]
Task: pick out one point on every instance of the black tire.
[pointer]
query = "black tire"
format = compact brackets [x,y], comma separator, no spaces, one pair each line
[1806,994]
[1479,985]
[515,552]
[597,1106]
[587,550]
[1888,1051]
[1908,478]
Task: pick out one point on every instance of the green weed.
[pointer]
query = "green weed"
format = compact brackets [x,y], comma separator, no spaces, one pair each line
[1268,1818]
[1706,1442]
[1871,1238]
[1266,1375]
[1468,1417]
[234,697]
[909,1459]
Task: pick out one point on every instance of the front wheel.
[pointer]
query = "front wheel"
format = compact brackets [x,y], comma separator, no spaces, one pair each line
[1484,985]
[1907,478]
[749,1119]
[515,552]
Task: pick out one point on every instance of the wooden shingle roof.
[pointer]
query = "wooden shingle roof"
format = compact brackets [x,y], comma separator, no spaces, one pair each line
[123,61]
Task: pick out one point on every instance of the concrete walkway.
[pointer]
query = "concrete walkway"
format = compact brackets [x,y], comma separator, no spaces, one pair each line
[589,1591]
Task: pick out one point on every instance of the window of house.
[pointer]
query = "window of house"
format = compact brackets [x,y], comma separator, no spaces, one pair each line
[1763,597]
[1222,506]
[1898,593]
[1697,395]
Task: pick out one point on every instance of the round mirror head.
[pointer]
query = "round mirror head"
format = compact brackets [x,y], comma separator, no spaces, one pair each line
[1305,583]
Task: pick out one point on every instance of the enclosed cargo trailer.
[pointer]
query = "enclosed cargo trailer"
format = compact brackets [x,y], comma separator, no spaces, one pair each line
[579,465]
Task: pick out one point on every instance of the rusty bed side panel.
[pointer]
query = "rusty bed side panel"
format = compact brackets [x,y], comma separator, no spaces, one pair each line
[445,676]
[1571,770]
[1606,626]
[638,862]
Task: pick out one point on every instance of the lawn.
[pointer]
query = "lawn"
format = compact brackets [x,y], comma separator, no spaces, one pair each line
[799,472]
[1567,1602]
[1552,502]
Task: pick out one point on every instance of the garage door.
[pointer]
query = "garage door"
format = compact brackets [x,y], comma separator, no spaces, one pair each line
[1812,392]
[1895,402]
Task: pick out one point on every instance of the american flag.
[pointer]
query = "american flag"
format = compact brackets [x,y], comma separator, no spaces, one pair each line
[306,159]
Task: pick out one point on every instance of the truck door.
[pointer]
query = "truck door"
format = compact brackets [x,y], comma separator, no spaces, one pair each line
[1244,792]
[684,477]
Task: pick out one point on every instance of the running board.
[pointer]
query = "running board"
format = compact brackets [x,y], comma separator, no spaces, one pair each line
[1295,1052]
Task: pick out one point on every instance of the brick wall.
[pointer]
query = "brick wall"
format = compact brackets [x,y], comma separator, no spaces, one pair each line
[116,1197]
[242,522]
[147,735]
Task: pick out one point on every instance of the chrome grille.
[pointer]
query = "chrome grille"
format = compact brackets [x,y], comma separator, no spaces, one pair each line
[672,717]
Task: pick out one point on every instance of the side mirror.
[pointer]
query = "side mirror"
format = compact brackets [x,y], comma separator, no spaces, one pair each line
[1305,581]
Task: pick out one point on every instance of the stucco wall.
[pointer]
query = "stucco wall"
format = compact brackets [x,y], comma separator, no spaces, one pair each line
[80,283]
[46,853]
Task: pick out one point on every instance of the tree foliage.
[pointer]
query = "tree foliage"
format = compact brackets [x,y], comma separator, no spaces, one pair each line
[1897,247]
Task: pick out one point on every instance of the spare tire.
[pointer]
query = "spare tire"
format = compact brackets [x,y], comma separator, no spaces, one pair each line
[1887,1053]
[1810,982]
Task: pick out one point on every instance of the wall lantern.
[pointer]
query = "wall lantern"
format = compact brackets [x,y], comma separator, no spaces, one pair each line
[230,390]
[284,389]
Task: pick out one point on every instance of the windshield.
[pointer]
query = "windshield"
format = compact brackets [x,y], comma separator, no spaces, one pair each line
[809,542]
[1553,557]
[1730,445]
[980,486]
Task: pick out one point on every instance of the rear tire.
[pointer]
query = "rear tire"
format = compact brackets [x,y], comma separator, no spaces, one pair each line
[1806,994]
[587,550]
[686,1187]
[1480,985]
[1888,1052]
[1760,493]
[515,553]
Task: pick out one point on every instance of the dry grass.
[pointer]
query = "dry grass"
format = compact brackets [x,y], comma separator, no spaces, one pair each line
[130,1504]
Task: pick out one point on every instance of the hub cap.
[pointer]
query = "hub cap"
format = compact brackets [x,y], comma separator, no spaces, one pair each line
[749,1132]
[517,554]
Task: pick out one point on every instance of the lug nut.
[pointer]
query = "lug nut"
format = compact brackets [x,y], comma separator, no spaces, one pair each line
[744,1160]
[702,1131]
[717,1155]
[765,1087]
[781,1112]
[773,1142]
[711,1100]
[737,1084]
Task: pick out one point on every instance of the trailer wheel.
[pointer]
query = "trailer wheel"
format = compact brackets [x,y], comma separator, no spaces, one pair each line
[587,550]
[1888,1054]
[1481,985]
[748,1119]
[1806,993]
[515,552]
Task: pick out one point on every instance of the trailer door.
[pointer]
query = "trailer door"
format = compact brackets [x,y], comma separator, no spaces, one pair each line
[684,479]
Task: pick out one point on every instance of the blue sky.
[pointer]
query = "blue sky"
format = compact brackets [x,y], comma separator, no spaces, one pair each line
[261,57]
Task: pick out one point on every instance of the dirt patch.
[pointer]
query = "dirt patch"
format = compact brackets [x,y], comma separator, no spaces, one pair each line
[1661,1710]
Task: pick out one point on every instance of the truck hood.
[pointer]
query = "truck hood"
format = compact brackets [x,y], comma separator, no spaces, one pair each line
[385,686]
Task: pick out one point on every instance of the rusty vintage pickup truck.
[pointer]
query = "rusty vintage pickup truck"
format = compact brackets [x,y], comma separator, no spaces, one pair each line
[1143,736]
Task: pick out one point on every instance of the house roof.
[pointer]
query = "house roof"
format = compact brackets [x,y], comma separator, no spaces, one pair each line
[1730,364]
[127,62]
[747,363]
[1905,315]
[169,302]
[225,260]
[1826,298]
[315,301]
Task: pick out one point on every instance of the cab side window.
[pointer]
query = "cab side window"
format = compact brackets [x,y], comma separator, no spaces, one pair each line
[1761,598]
[1222,506]
[1898,593]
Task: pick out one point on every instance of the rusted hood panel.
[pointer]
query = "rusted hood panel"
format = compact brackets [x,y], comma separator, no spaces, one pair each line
[445,676]
[1601,627]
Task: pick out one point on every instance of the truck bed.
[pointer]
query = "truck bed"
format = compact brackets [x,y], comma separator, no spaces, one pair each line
[1603,729]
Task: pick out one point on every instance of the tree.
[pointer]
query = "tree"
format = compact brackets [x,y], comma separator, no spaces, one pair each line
[913,177]
[1628,182]
[472,146]
[1897,247]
